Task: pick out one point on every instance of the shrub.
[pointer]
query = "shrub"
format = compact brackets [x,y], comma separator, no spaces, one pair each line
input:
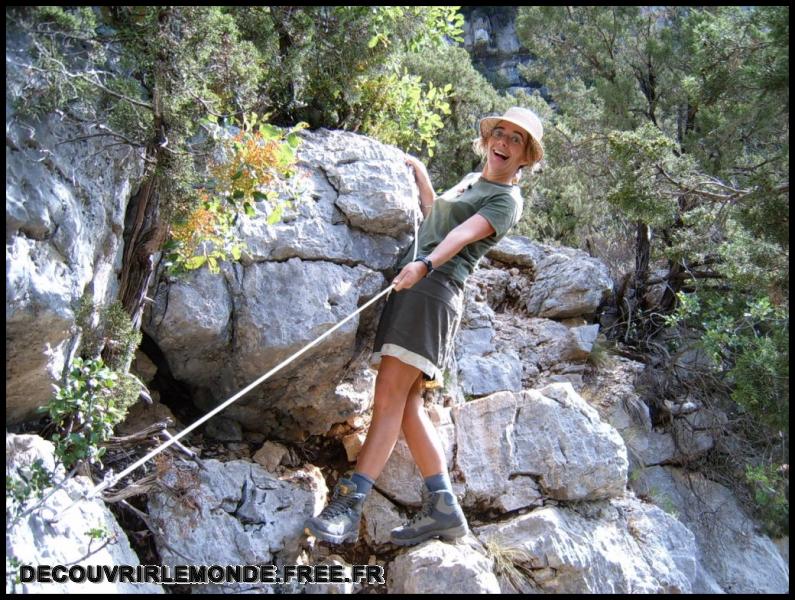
[749,346]
[770,485]
[85,411]
[257,165]
[107,329]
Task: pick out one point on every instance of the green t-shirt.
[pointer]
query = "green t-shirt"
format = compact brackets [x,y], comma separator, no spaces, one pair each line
[499,204]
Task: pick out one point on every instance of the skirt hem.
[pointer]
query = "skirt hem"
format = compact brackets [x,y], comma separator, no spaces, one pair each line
[408,357]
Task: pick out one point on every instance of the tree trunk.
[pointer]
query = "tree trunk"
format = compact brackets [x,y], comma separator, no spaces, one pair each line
[674,283]
[642,254]
[146,237]
[143,233]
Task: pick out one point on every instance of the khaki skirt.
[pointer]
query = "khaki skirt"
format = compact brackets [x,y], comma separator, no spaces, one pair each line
[418,325]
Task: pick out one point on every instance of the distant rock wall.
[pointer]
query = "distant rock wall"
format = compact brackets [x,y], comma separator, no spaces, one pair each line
[490,38]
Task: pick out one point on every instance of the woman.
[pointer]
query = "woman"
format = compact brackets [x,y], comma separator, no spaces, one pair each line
[416,330]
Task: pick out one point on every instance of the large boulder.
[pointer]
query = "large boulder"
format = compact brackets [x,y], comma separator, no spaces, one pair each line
[220,333]
[58,533]
[297,280]
[514,449]
[509,451]
[617,546]
[232,513]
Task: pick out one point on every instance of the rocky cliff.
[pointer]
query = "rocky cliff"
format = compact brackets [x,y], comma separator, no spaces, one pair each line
[65,206]
[490,38]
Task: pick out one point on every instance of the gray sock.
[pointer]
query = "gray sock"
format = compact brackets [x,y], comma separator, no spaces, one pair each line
[363,483]
[438,482]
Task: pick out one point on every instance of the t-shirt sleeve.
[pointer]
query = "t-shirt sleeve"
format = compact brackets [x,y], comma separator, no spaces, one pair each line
[502,212]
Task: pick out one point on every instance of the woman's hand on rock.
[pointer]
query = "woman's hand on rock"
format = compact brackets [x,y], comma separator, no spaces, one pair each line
[416,163]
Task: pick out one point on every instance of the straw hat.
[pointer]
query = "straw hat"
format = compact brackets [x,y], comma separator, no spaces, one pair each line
[522,117]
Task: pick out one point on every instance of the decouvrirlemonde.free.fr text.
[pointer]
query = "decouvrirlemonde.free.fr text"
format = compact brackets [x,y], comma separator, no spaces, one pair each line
[199,574]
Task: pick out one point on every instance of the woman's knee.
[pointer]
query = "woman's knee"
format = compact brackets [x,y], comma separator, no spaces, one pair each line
[415,404]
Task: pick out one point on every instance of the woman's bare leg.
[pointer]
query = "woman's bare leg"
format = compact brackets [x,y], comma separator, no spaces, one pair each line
[422,437]
[441,514]
[392,386]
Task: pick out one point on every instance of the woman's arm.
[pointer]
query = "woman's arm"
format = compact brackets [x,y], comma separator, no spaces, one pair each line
[423,180]
[473,229]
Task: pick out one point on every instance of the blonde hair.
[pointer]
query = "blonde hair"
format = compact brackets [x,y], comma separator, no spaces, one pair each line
[532,152]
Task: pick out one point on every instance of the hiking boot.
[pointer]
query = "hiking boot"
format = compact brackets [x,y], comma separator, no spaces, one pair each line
[339,521]
[440,516]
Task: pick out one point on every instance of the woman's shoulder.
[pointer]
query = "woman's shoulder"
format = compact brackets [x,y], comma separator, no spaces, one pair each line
[508,201]
[509,195]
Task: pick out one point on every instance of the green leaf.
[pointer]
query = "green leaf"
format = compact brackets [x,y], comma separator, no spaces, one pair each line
[270,132]
[294,141]
[249,208]
[276,215]
[195,262]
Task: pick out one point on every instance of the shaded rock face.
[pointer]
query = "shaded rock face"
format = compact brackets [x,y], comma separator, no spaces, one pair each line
[496,52]
[64,224]
[739,559]
[526,317]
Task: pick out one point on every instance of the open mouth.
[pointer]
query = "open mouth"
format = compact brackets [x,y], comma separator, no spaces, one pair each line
[500,156]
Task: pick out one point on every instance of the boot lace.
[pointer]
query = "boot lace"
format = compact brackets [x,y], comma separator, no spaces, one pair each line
[425,510]
[338,505]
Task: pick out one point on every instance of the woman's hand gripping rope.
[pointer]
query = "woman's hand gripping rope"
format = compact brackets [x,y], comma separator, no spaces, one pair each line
[411,274]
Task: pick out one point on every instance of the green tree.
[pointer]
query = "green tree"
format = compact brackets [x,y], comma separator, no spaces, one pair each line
[142,77]
[669,120]
[342,67]
[471,97]
[647,125]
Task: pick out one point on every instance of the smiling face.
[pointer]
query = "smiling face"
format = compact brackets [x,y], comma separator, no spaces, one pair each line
[506,152]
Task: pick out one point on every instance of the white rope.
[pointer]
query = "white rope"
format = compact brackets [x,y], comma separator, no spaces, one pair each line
[111,480]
